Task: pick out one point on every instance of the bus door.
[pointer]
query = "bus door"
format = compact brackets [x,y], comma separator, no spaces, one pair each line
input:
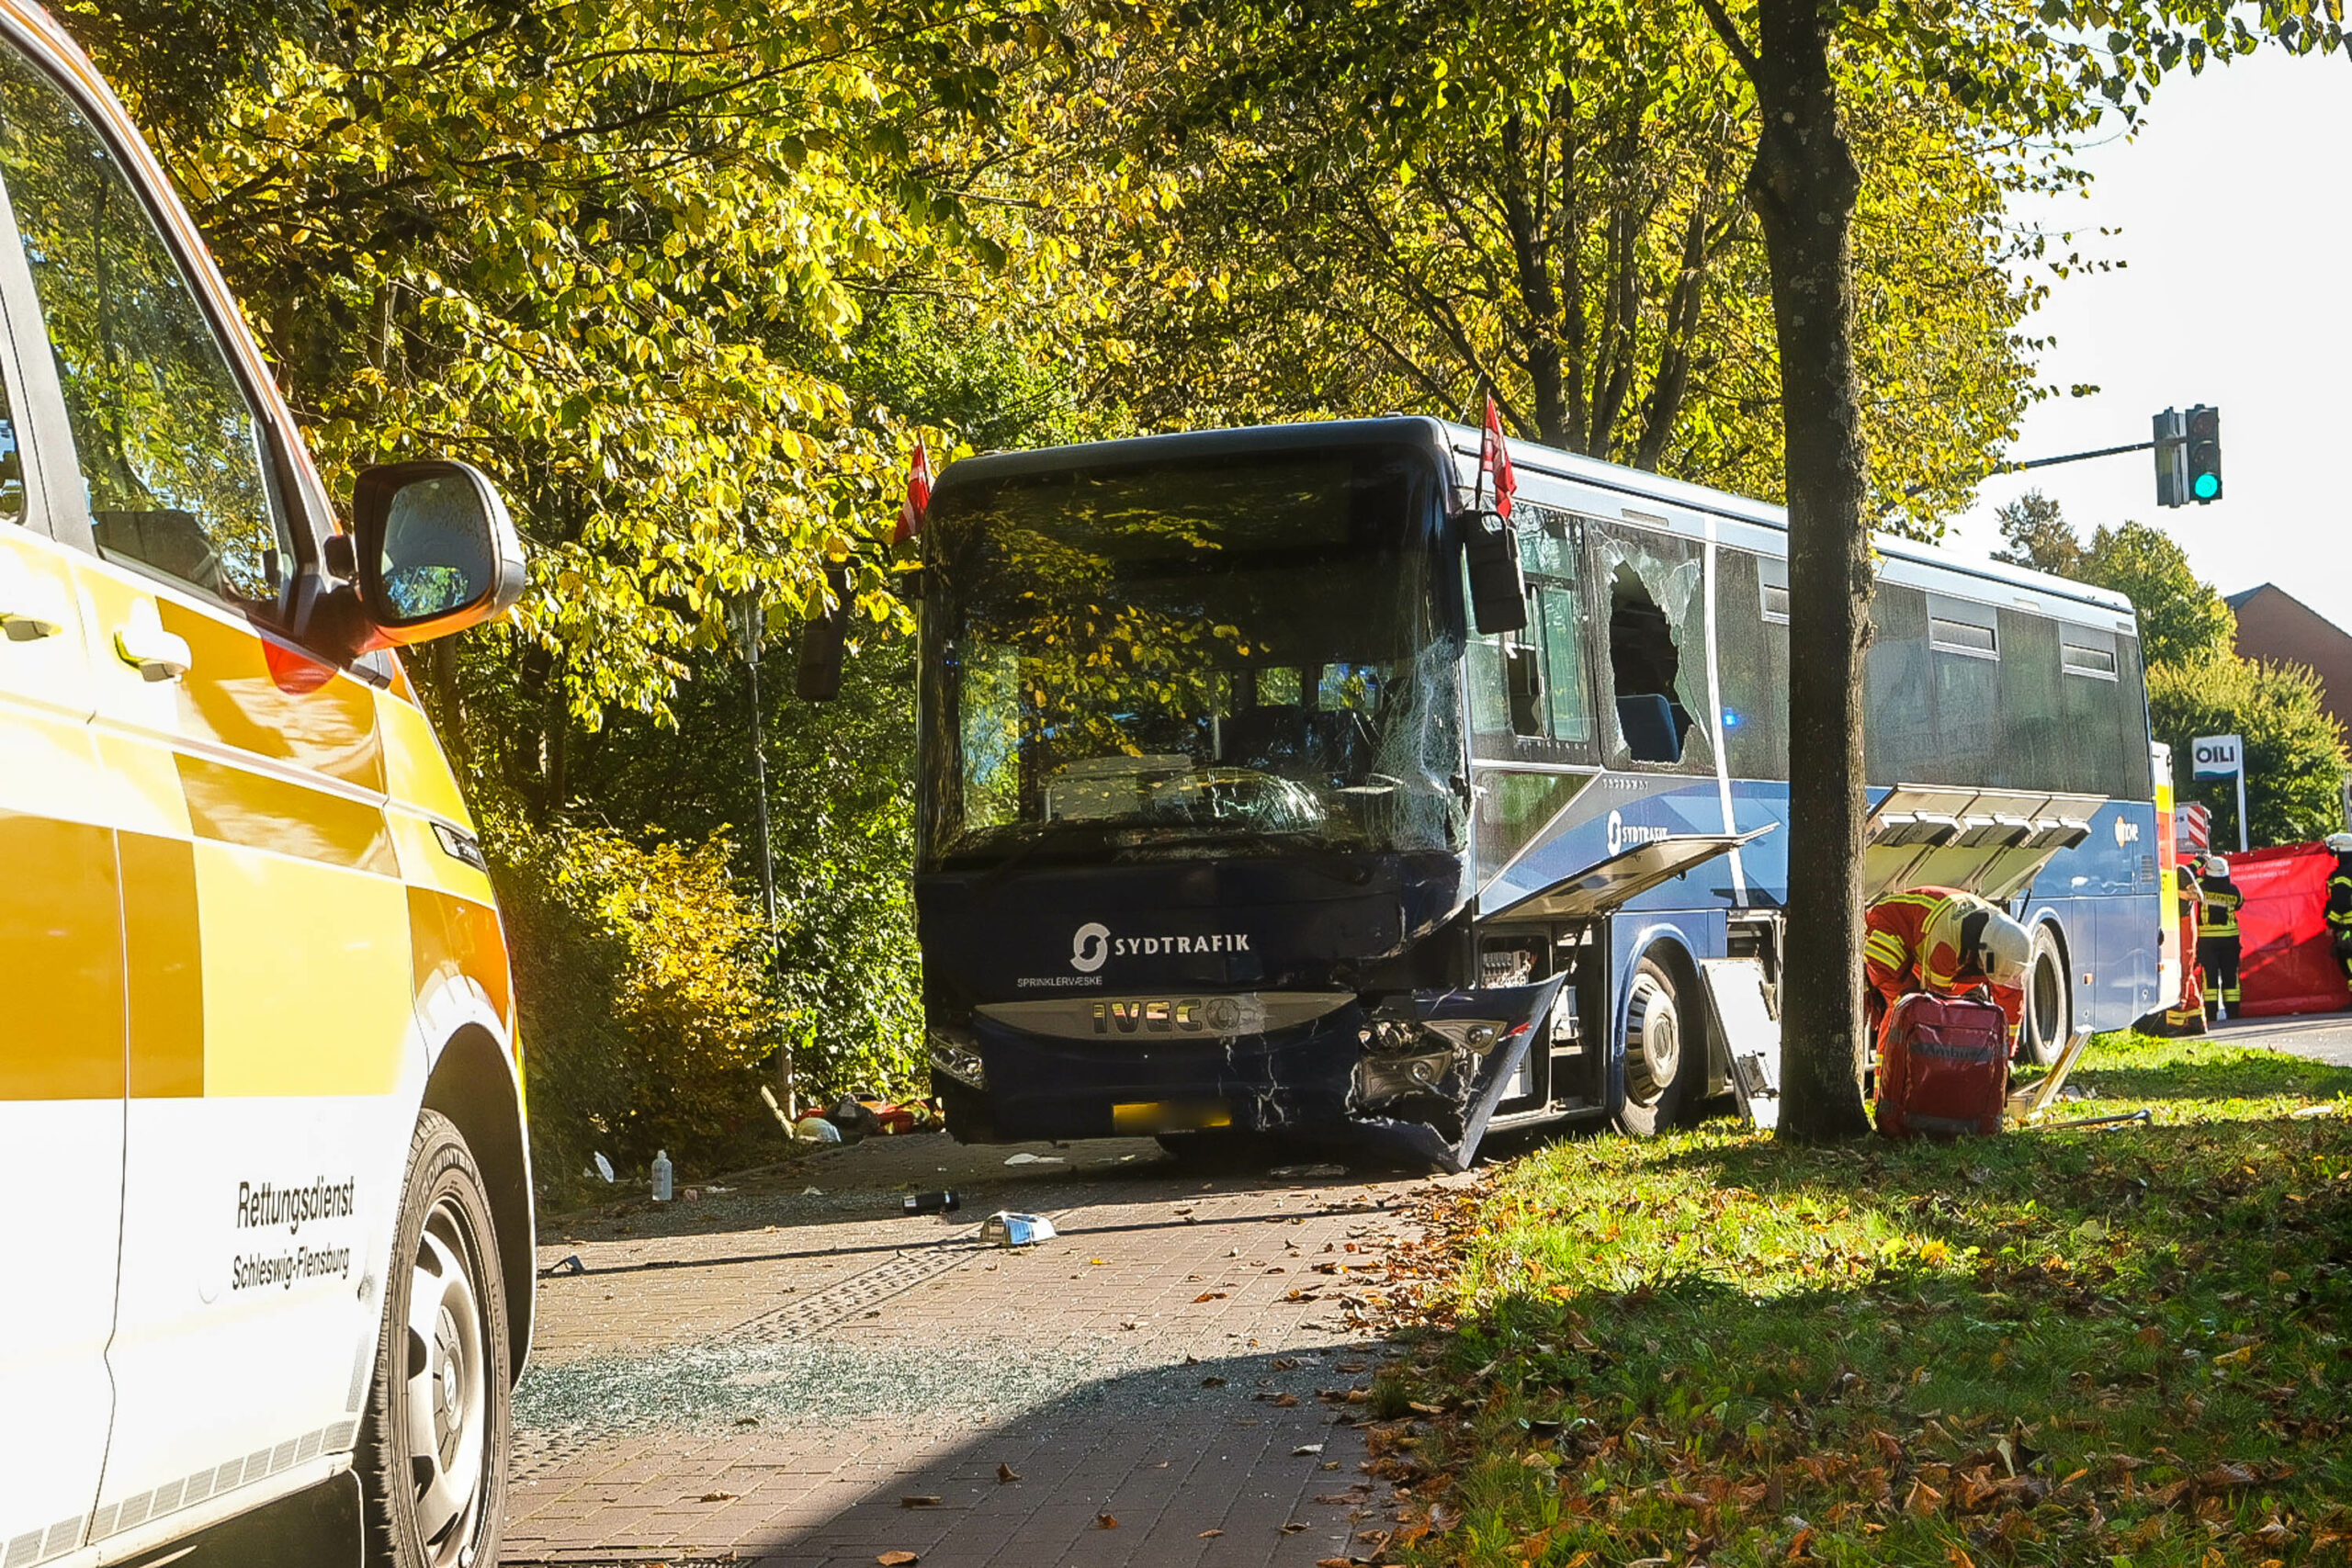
[265,963]
[1992,842]
[61,1051]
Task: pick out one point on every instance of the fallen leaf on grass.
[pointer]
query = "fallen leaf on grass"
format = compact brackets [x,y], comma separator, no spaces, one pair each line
[1005,1472]
[1106,1521]
[896,1559]
[919,1502]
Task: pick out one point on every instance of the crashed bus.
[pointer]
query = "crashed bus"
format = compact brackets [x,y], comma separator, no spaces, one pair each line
[1256,802]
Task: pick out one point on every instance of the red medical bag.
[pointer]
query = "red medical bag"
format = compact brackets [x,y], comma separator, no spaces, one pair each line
[1943,1067]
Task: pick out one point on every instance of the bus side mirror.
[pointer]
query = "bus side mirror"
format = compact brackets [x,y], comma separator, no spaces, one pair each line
[1497,587]
[433,549]
[823,642]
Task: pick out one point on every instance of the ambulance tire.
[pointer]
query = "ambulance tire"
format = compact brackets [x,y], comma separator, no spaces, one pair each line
[2049,1001]
[434,1440]
[1665,1053]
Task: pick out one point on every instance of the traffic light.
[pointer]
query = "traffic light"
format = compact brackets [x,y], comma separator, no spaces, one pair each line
[2172,457]
[2204,455]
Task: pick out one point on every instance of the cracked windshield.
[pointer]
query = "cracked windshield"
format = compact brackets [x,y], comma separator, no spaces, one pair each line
[1242,652]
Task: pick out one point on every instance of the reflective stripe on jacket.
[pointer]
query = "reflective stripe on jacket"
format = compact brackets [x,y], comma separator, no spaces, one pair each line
[2220,919]
[2339,896]
[1912,944]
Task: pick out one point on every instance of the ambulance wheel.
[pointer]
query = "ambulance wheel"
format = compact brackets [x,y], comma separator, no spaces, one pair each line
[1664,1055]
[2049,1001]
[435,1437]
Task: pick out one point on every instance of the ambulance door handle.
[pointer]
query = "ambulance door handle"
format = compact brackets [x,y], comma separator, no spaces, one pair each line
[31,608]
[156,654]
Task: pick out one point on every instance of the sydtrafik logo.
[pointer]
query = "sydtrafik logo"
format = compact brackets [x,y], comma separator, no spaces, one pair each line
[1090,946]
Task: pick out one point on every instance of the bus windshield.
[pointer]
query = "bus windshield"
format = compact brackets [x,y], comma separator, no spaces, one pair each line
[1242,653]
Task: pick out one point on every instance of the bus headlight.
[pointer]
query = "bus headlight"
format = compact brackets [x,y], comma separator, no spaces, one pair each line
[957,1055]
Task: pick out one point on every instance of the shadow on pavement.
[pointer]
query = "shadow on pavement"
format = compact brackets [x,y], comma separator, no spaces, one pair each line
[1194,1463]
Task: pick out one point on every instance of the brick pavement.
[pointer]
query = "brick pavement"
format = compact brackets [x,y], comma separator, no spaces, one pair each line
[767,1376]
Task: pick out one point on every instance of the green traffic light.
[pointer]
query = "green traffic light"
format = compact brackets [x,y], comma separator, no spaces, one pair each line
[2208,486]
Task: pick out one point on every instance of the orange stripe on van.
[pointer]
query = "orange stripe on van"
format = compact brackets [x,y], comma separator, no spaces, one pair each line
[258,698]
[166,971]
[449,935]
[258,812]
[60,962]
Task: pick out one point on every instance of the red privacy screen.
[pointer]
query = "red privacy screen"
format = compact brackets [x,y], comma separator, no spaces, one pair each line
[2286,964]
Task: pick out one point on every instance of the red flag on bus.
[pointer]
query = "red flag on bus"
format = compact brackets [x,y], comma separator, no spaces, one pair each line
[917,499]
[1494,460]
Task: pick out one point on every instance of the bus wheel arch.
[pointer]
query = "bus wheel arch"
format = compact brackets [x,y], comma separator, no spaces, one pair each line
[2049,994]
[474,1087]
[1662,1037]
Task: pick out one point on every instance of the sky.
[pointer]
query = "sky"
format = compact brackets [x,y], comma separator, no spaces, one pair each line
[2234,207]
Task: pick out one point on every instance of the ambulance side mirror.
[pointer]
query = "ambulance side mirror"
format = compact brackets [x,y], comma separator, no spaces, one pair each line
[434,550]
[1497,586]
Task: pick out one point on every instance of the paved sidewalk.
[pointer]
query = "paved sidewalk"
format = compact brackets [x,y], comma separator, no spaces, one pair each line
[2323,1037]
[773,1376]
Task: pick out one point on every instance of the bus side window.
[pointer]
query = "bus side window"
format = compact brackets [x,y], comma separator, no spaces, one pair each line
[1752,647]
[1658,663]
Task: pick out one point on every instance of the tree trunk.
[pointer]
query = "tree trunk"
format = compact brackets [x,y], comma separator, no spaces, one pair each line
[1804,187]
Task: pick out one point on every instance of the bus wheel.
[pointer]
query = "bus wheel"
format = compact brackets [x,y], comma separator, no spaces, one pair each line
[433,1441]
[1661,1056]
[2049,1001]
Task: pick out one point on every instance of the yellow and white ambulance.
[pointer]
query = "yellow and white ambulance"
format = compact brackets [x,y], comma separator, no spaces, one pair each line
[266,1251]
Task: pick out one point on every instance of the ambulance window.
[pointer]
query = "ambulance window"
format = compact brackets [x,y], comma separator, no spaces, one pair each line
[170,450]
[12,463]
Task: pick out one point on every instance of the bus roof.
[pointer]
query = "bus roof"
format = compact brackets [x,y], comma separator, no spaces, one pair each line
[1445,438]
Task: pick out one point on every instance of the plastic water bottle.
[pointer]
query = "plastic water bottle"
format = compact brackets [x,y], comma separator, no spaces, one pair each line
[661,1171]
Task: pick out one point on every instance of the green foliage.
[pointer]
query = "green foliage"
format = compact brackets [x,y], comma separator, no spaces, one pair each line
[2039,536]
[2044,1347]
[2295,758]
[638,976]
[1354,208]
[615,254]
[2182,620]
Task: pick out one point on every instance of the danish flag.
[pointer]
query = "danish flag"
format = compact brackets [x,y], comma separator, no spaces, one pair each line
[1494,461]
[917,499]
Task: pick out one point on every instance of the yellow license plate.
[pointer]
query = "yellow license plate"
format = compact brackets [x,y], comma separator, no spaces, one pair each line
[1146,1117]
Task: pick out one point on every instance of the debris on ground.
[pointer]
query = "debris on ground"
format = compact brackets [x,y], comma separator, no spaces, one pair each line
[1005,1228]
[1307,1172]
[568,1265]
[1025,1157]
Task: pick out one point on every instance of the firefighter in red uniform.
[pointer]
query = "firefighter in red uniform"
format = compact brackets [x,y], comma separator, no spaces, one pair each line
[2339,901]
[1945,943]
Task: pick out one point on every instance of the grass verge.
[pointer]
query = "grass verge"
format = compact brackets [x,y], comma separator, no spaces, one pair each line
[2120,1346]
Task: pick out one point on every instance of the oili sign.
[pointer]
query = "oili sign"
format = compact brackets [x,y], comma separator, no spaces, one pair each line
[2222,757]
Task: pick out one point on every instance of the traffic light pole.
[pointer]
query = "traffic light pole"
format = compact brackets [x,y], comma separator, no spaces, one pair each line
[2073,458]
[2051,462]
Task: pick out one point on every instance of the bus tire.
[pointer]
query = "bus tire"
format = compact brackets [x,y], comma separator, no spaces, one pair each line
[1665,1053]
[2049,1001]
[436,1434]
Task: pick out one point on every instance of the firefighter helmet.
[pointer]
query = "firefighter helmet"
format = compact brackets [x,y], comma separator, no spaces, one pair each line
[2004,950]
[2215,866]
[2340,843]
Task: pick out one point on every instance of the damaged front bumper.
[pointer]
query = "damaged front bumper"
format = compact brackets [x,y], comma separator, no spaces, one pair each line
[1418,1075]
